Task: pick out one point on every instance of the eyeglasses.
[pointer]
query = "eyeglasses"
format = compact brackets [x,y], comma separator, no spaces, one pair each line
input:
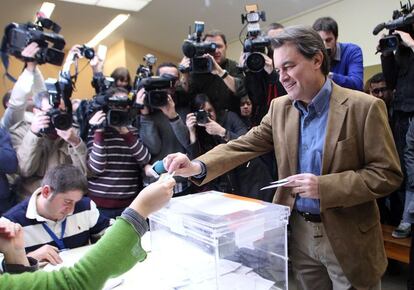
[376,91]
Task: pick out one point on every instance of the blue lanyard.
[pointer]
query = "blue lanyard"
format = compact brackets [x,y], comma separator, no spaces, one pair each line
[59,242]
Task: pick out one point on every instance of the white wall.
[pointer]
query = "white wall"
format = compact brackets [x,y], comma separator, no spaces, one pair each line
[356,20]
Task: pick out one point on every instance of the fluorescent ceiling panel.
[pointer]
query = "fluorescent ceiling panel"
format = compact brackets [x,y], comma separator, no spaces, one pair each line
[108,29]
[47,9]
[131,5]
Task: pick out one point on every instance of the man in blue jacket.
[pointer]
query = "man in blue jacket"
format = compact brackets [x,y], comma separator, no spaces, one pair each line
[345,58]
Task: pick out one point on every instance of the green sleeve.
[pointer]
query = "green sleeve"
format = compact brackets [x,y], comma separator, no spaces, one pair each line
[115,253]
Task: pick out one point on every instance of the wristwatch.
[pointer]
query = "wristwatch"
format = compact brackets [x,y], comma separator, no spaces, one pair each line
[224,75]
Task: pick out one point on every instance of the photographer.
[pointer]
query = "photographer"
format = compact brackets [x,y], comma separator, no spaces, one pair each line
[209,128]
[398,69]
[116,155]
[163,130]
[29,83]
[263,86]
[346,62]
[40,146]
[224,85]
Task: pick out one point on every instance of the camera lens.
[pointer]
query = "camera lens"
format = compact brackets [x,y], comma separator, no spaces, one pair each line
[255,62]
[62,121]
[88,53]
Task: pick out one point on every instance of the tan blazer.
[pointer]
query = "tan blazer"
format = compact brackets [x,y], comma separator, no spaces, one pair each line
[359,164]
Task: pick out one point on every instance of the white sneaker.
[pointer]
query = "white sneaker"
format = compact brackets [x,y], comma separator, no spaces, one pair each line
[402,231]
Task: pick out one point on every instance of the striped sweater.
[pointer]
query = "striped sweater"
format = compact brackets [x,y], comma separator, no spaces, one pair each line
[84,225]
[115,161]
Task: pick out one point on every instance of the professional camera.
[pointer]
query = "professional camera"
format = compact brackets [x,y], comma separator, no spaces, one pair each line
[255,43]
[194,49]
[118,109]
[201,116]
[87,52]
[401,20]
[156,90]
[18,36]
[144,71]
[59,119]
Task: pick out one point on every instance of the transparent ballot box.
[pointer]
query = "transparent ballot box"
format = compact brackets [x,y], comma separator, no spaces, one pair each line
[214,240]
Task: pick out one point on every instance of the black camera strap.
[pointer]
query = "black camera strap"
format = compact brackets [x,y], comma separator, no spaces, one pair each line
[5,59]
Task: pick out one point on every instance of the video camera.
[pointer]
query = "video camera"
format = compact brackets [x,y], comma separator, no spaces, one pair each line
[194,49]
[255,43]
[401,20]
[18,36]
[118,109]
[144,71]
[156,88]
[59,119]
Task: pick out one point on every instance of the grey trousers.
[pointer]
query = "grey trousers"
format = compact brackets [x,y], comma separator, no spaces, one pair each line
[314,264]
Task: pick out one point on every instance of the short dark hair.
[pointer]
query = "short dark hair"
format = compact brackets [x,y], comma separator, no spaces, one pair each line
[273,26]
[214,33]
[116,90]
[65,177]
[377,78]
[199,102]
[165,64]
[307,41]
[121,73]
[326,24]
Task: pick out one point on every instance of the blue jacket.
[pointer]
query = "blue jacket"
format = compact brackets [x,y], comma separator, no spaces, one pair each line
[8,165]
[349,71]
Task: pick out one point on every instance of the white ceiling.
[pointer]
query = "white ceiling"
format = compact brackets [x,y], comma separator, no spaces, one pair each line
[161,25]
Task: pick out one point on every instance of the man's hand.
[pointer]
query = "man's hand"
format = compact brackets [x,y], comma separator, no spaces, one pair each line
[181,165]
[97,119]
[184,65]
[46,253]
[140,101]
[268,64]
[216,70]
[304,184]
[30,52]
[153,197]
[214,128]
[169,109]
[406,38]
[73,54]
[40,121]
[70,136]
[96,64]
[12,242]
[191,122]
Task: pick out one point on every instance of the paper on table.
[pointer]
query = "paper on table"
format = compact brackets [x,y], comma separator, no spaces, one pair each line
[216,204]
[71,256]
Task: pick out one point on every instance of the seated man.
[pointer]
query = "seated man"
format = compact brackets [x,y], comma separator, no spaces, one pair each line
[120,248]
[57,216]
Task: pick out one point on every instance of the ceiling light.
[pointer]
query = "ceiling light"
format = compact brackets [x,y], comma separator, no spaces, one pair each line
[108,29]
[131,5]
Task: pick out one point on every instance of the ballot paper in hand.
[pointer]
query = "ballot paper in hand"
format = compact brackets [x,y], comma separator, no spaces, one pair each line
[277,183]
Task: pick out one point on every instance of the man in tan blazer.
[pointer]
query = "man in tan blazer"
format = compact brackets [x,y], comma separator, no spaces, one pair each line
[335,147]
